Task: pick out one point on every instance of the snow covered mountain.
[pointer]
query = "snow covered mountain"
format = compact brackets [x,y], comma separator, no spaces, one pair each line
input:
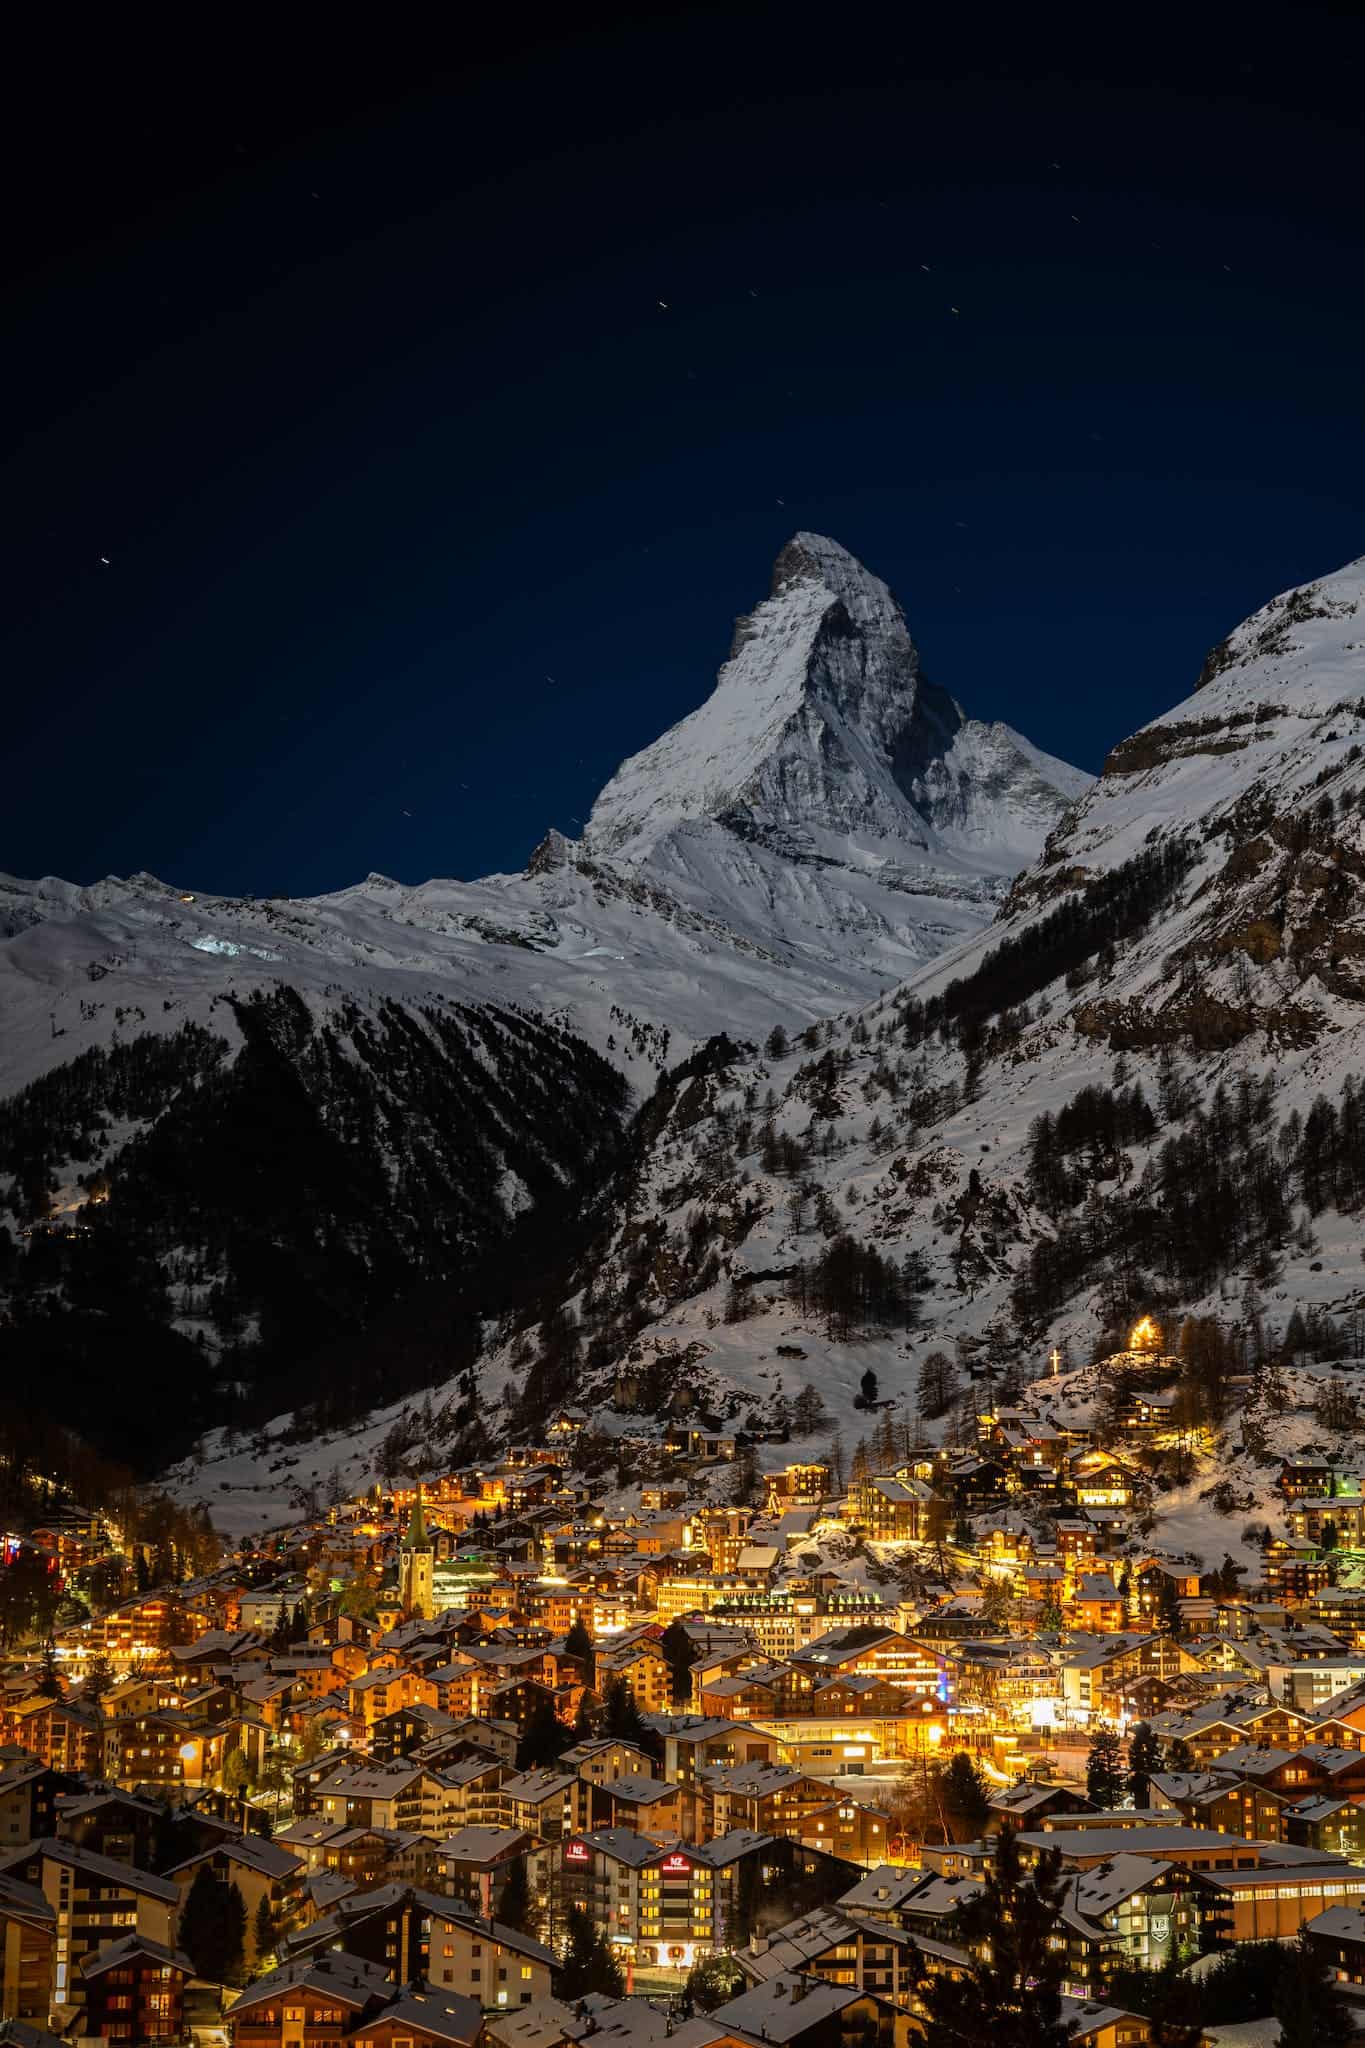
[1132,1093]
[825,823]
[822,825]
[824,741]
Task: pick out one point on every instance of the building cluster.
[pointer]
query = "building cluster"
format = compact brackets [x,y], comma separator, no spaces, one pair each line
[371,1778]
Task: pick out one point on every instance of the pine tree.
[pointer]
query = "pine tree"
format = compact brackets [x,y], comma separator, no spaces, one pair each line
[543,1739]
[213,1927]
[579,1643]
[99,1676]
[711,1982]
[678,1648]
[965,1795]
[584,1722]
[1311,2011]
[620,1714]
[590,1962]
[1010,1994]
[1144,1757]
[262,1932]
[235,1935]
[516,1907]
[1104,1768]
[1179,1756]
[1169,1619]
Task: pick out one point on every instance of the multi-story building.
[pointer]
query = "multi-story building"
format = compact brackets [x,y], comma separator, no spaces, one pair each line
[410,1935]
[134,1990]
[667,1906]
[95,1901]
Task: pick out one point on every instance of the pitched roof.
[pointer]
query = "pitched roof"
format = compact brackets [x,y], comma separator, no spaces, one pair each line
[445,2014]
[98,1961]
[349,1979]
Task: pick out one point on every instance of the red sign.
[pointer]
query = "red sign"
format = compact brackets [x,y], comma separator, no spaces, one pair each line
[577,1852]
[675,1865]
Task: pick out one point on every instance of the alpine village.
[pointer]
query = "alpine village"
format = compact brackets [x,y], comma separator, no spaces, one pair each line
[873,1556]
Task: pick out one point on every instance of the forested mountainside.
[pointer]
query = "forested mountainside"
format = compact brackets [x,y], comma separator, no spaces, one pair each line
[207,1229]
[1136,1093]
[251,1151]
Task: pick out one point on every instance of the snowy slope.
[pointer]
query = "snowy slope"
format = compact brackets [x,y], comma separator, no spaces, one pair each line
[1246,968]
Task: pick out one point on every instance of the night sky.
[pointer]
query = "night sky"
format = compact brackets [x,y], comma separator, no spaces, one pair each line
[350,358]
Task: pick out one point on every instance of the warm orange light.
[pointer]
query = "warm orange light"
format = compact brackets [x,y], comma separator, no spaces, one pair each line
[1145,1335]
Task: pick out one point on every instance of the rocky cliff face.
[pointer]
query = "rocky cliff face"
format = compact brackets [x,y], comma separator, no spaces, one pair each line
[824,738]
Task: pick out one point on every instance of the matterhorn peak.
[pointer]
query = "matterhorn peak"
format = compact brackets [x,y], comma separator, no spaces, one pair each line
[823,738]
[815,558]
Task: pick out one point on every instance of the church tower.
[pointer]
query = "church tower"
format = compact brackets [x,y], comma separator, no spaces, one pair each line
[416,1567]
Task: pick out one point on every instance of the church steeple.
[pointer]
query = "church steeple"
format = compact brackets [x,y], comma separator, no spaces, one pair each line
[417,1537]
[417,1566]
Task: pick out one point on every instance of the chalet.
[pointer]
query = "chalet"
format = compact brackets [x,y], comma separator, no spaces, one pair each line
[61,1733]
[29,1794]
[1331,1521]
[841,1946]
[855,1830]
[308,2000]
[1328,1824]
[1031,1801]
[1096,1605]
[260,1869]
[692,1741]
[411,1934]
[423,2019]
[973,1484]
[649,1805]
[769,1799]
[133,1989]
[1300,1477]
[891,1509]
[475,1861]
[1224,1802]
[1336,1936]
[1101,1481]
[792,2009]
[543,1803]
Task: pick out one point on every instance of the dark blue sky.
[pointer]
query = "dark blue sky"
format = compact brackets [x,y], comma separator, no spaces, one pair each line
[351,361]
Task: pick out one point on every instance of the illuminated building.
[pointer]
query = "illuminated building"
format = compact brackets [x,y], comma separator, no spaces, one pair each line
[416,1568]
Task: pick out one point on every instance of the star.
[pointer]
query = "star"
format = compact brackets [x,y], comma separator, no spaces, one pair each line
[105,560]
